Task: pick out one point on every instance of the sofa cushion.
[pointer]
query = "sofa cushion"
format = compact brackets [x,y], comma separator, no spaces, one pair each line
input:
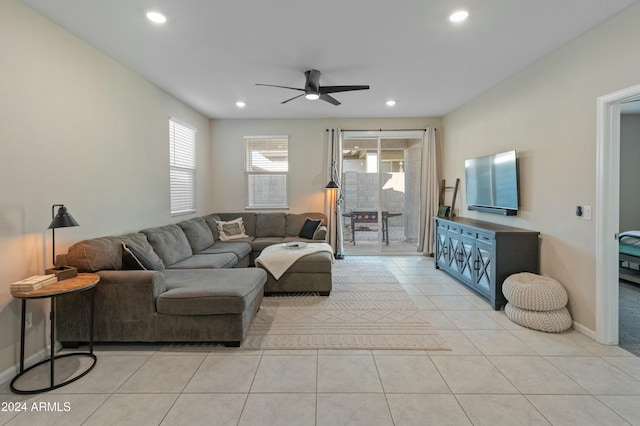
[95,255]
[270,225]
[321,233]
[212,222]
[207,261]
[198,233]
[231,230]
[169,242]
[313,263]
[309,228]
[105,253]
[248,219]
[240,248]
[258,244]
[206,292]
[295,221]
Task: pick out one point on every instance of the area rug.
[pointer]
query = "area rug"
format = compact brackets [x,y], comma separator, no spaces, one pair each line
[367,309]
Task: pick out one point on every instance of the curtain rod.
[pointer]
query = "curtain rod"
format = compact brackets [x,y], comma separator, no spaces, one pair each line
[381,130]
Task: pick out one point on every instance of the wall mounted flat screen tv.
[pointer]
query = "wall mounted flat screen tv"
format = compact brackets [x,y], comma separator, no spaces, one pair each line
[492,183]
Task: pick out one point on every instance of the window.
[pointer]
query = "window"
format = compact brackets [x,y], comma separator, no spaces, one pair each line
[267,172]
[182,168]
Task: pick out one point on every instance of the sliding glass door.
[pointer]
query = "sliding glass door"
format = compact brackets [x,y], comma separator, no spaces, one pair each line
[381,190]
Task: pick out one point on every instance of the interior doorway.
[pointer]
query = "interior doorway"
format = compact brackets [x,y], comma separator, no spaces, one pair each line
[608,212]
[381,173]
[629,239]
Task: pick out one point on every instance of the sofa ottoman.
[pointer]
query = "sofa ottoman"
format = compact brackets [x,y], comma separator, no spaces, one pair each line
[311,273]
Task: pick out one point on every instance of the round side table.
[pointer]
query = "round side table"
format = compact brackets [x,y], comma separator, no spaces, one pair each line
[82,282]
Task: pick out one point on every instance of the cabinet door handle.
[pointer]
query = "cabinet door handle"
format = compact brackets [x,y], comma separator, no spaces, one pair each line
[476,265]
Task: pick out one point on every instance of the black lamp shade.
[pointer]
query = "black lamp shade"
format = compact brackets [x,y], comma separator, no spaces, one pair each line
[63,219]
[332,185]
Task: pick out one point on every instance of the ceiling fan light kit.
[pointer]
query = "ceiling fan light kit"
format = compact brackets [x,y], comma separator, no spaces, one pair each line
[313,91]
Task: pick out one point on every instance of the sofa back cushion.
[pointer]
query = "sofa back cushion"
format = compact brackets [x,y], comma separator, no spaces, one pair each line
[270,225]
[212,222]
[198,234]
[96,254]
[169,242]
[248,220]
[295,222]
[105,253]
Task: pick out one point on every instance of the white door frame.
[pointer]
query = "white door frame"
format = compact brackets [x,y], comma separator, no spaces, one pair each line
[608,210]
[379,135]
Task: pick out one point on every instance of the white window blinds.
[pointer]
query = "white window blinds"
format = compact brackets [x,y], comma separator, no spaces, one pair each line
[182,168]
[267,172]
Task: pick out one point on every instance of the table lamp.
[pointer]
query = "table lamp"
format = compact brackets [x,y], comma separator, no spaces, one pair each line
[60,220]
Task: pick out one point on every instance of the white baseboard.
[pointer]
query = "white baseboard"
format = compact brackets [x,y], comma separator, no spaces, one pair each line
[584,330]
[43,353]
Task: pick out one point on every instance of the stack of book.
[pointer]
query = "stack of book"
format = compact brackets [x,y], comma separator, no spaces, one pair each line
[33,283]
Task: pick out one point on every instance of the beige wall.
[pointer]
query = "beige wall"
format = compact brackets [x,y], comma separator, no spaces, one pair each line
[547,112]
[629,172]
[307,156]
[75,128]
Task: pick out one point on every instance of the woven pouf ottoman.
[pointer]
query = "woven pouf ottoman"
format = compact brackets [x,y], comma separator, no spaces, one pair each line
[549,321]
[534,292]
[536,302]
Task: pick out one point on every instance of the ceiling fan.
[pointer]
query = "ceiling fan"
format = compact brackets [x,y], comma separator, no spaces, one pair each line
[312,89]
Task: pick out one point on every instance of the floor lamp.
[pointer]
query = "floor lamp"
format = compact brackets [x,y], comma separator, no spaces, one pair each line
[335,197]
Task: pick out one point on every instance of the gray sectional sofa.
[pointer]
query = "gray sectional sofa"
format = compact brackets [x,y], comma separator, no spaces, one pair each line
[175,283]
[265,229]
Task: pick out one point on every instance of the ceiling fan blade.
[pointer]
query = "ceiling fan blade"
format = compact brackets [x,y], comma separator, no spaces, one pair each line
[329,99]
[336,89]
[295,97]
[282,87]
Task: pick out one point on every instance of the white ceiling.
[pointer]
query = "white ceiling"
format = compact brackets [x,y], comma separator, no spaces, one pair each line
[210,53]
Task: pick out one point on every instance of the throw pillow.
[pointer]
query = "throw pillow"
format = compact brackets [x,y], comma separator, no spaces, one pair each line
[132,259]
[231,230]
[309,228]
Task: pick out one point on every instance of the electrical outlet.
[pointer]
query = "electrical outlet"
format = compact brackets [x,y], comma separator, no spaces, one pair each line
[28,321]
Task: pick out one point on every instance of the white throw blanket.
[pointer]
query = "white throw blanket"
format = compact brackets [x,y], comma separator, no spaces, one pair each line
[277,258]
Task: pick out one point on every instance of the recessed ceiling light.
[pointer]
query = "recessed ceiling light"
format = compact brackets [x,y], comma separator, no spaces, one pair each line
[241,104]
[391,102]
[458,16]
[156,17]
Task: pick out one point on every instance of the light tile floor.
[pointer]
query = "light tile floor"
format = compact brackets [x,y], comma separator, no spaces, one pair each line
[497,373]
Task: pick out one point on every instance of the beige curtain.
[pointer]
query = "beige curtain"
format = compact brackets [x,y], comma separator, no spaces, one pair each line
[333,198]
[429,192]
